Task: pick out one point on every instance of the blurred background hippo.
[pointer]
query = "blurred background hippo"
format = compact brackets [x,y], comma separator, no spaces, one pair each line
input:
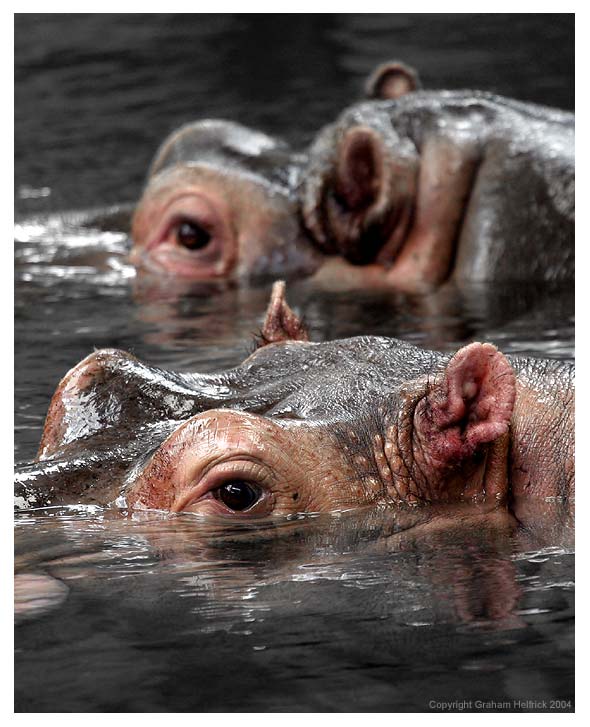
[221,201]
[405,190]
[308,427]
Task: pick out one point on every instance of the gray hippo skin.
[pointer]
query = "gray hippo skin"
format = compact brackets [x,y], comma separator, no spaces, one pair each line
[406,191]
[436,184]
[302,426]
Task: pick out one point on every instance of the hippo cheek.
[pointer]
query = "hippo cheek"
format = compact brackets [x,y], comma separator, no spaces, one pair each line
[231,463]
[186,231]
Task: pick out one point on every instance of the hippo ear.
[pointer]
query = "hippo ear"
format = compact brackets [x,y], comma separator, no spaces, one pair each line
[280,323]
[359,173]
[471,405]
[391,80]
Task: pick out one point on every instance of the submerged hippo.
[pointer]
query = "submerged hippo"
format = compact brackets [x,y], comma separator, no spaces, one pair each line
[302,426]
[406,190]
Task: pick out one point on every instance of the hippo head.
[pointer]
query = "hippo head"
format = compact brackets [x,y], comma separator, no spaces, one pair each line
[224,202]
[220,203]
[298,426]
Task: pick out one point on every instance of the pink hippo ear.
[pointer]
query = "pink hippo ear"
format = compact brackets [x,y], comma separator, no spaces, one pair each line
[470,406]
[391,80]
[280,323]
[360,168]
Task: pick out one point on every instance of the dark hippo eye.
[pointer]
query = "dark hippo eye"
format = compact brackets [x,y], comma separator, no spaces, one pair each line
[192,236]
[238,495]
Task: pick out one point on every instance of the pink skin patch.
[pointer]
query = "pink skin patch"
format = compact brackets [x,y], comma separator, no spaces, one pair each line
[470,407]
[280,323]
[163,250]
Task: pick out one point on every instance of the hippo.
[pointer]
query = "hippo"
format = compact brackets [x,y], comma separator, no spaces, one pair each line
[302,427]
[407,189]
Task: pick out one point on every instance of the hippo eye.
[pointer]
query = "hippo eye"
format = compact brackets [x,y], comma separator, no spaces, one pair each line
[192,236]
[238,495]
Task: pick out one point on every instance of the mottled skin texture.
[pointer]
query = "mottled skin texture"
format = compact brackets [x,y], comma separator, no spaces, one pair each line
[311,427]
[406,190]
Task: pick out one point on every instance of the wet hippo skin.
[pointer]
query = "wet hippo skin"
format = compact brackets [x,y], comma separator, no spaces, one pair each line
[427,185]
[405,190]
[308,427]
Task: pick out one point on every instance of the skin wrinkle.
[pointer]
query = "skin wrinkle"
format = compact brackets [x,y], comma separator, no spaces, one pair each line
[411,462]
[444,472]
[406,439]
[335,483]
[563,429]
[173,447]
[391,478]
[427,494]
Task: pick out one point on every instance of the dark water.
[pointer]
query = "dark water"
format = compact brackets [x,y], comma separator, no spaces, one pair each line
[329,613]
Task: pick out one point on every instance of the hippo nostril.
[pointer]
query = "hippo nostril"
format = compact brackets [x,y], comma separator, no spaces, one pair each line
[192,236]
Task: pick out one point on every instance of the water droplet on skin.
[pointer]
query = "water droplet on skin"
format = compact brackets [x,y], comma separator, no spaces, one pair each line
[533,611]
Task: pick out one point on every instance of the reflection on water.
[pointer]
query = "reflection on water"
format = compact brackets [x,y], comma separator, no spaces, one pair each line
[357,612]
[353,612]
